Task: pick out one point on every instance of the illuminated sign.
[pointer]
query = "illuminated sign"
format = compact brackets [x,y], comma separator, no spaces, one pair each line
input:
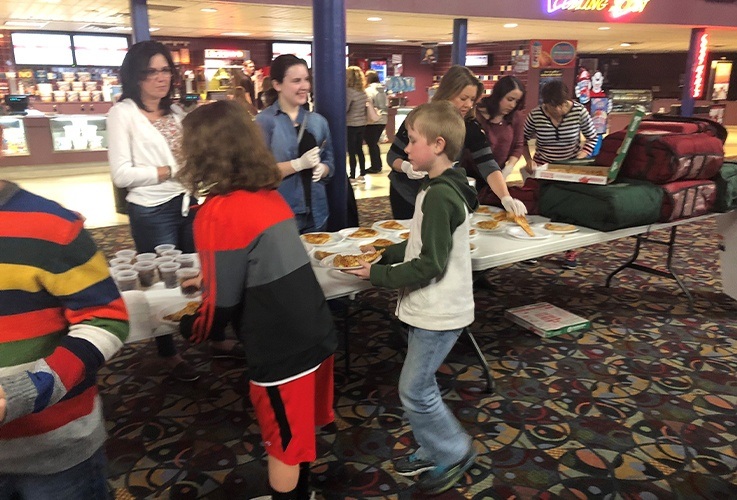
[699,67]
[616,8]
[224,54]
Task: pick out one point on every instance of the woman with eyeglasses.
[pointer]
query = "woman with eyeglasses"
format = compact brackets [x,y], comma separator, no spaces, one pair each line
[144,152]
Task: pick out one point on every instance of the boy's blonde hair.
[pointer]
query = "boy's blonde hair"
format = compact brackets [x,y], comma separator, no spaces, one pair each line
[439,119]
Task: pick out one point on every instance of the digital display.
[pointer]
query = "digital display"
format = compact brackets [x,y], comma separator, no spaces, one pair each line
[301,50]
[477,60]
[98,50]
[42,49]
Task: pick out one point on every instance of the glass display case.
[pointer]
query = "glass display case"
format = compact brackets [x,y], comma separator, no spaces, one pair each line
[14,136]
[79,133]
[624,101]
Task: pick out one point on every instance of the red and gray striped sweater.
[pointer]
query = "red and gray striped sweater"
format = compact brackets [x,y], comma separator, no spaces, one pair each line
[257,276]
[61,318]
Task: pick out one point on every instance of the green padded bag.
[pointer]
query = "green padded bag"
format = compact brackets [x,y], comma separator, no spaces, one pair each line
[624,203]
[726,181]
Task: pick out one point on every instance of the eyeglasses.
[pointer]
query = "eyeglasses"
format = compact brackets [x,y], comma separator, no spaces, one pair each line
[153,72]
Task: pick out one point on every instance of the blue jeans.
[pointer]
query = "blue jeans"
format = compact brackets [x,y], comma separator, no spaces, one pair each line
[85,481]
[436,430]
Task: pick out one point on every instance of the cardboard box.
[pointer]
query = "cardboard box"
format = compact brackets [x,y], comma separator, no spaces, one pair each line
[546,319]
[582,171]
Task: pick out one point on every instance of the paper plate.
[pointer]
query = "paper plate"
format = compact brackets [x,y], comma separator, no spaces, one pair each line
[334,239]
[556,231]
[171,309]
[328,262]
[380,226]
[518,232]
[348,233]
[500,228]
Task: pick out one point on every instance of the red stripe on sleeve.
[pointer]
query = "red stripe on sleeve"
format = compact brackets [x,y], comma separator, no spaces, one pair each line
[69,367]
[52,417]
[114,310]
[32,324]
[40,226]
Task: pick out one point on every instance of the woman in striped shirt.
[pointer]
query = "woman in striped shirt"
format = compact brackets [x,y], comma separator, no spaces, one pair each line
[557,125]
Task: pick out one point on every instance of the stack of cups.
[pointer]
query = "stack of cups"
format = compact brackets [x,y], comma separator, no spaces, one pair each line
[126,280]
[146,271]
[160,249]
[168,273]
[126,254]
[186,260]
[185,274]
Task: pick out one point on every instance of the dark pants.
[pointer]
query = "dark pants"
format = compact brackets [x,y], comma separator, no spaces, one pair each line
[85,481]
[372,136]
[401,208]
[151,226]
[355,149]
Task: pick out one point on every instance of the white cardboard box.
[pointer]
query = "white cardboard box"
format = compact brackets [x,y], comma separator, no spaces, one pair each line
[727,231]
[546,319]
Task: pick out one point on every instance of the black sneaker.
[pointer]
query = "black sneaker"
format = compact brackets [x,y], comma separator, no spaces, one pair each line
[373,171]
[184,372]
[412,465]
[530,262]
[440,479]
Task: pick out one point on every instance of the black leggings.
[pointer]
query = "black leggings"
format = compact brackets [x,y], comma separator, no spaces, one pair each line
[401,208]
[355,149]
[373,134]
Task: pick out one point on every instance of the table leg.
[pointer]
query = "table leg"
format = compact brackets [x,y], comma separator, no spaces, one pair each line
[482,360]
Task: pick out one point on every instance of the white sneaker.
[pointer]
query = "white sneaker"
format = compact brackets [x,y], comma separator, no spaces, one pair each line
[263,497]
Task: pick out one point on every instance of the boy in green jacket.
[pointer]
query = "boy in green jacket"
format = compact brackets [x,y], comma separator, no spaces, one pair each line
[432,269]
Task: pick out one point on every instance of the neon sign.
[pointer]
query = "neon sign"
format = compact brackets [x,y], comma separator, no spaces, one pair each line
[697,79]
[616,8]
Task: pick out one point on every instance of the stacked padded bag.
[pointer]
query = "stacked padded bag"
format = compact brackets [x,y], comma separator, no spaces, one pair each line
[726,185]
[625,203]
[663,152]
[528,193]
[683,199]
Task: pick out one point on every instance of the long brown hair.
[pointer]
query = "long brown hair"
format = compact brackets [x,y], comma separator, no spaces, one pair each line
[453,82]
[224,150]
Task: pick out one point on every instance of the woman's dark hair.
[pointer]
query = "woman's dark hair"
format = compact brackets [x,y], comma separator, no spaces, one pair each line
[503,87]
[133,72]
[281,65]
[224,150]
[372,77]
[555,93]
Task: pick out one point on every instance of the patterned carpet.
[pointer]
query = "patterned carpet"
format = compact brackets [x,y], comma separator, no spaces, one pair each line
[642,406]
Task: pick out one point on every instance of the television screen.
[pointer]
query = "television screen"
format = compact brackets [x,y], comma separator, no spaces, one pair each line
[301,50]
[99,50]
[380,68]
[42,49]
[477,60]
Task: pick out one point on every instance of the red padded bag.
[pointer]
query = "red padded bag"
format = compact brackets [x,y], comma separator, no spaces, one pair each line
[685,199]
[661,156]
[529,194]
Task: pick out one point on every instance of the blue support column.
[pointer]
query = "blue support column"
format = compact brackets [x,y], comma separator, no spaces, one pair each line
[328,72]
[139,21]
[687,99]
[460,36]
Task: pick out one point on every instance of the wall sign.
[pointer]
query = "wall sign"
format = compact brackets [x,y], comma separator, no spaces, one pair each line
[699,67]
[615,8]
[552,53]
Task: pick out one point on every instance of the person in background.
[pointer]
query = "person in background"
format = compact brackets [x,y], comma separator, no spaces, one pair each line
[61,319]
[376,93]
[144,145]
[557,125]
[257,275]
[300,142]
[261,102]
[504,127]
[244,79]
[238,94]
[356,102]
[432,269]
[461,88]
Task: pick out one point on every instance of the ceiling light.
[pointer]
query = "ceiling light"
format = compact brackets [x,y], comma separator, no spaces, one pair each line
[235,33]
[373,19]
[208,9]
[625,44]
[391,40]
[151,30]
[511,25]
[610,48]
[604,28]
[27,24]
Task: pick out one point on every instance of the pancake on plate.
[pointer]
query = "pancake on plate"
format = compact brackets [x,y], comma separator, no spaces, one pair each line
[316,238]
[488,224]
[393,225]
[341,260]
[381,242]
[552,226]
[521,221]
[364,232]
[321,254]
[187,310]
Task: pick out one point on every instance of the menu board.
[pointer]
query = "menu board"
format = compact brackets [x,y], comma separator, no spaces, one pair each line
[100,50]
[42,49]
